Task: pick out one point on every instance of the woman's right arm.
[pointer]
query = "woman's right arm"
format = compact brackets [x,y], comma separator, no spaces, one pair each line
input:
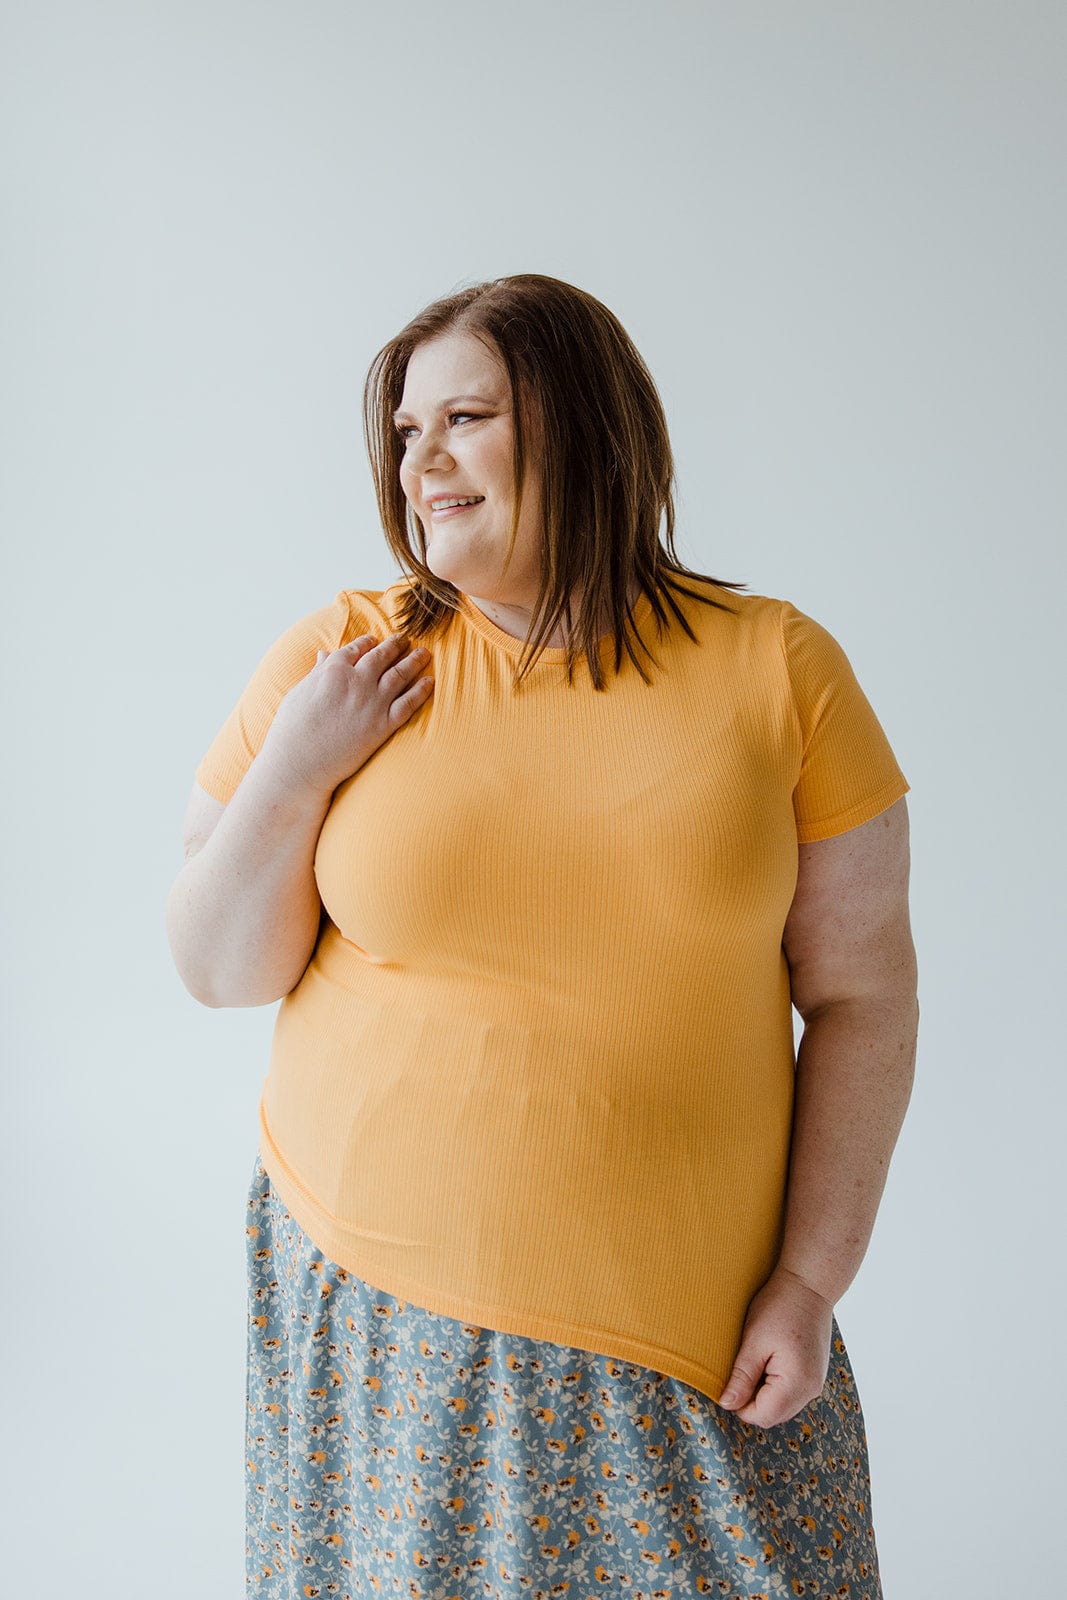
[243,914]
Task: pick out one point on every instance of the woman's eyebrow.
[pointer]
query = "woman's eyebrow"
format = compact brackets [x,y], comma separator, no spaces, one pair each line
[455,400]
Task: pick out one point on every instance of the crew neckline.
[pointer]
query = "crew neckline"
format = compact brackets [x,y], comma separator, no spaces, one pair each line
[514,647]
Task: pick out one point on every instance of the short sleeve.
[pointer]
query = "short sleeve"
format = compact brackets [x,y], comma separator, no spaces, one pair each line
[848,772]
[290,658]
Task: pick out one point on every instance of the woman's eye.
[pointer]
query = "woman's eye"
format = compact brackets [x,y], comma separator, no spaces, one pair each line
[403,428]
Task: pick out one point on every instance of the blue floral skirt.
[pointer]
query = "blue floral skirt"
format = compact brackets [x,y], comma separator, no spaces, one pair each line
[394,1451]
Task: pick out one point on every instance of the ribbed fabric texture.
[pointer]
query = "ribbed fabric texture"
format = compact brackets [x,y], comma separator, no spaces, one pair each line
[538,1074]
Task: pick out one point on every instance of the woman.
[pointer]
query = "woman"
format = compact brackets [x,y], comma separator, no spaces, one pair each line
[539,847]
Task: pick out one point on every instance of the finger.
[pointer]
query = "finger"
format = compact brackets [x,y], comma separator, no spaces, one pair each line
[742,1382]
[380,653]
[395,641]
[787,1384]
[404,703]
[403,671]
[776,1401]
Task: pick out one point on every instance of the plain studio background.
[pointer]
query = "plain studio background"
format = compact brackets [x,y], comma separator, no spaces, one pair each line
[836,233]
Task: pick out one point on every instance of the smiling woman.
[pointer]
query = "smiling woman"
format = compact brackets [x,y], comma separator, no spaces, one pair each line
[544,1195]
[468,456]
[568,535]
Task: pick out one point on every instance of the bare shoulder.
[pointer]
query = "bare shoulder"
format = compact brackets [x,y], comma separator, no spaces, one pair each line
[848,932]
[201,815]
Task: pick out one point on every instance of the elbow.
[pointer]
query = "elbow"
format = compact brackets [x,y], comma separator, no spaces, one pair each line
[222,985]
[205,998]
[221,1000]
[201,993]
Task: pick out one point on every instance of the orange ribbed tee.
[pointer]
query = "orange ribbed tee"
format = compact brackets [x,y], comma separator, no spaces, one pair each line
[538,1073]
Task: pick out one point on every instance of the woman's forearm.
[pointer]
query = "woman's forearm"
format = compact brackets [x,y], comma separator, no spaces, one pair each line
[855,1067]
[243,914]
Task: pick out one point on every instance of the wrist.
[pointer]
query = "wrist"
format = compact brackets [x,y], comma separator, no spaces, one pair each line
[809,1281]
[283,784]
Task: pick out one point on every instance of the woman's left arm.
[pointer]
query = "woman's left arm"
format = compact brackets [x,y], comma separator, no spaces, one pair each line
[853,978]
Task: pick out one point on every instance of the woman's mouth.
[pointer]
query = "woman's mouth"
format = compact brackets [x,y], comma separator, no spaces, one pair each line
[454,511]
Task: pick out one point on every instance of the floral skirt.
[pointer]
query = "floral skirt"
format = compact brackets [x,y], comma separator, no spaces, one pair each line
[394,1451]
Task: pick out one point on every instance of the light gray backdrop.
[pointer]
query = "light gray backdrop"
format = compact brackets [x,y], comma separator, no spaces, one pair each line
[836,233]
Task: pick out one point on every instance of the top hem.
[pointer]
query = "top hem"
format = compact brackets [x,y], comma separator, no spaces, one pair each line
[528,1325]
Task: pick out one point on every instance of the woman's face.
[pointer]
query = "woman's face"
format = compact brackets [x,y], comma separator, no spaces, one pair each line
[455,418]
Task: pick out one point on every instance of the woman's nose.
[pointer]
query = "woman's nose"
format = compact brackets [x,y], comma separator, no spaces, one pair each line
[425,451]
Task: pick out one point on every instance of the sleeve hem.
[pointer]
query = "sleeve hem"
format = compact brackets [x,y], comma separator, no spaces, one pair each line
[211,782]
[863,811]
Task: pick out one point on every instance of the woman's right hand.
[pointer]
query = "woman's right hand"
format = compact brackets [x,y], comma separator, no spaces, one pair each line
[348,705]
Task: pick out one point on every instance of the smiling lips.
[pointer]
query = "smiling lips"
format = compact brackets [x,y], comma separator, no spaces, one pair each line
[454,511]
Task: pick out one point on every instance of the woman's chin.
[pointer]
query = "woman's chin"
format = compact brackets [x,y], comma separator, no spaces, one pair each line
[444,570]
[448,571]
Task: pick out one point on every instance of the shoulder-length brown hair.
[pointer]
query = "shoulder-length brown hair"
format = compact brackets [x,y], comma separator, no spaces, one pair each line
[580,387]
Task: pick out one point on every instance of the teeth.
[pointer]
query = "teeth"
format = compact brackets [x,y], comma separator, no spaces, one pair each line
[443,505]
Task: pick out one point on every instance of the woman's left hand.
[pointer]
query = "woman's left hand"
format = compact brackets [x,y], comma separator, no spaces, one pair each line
[784,1356]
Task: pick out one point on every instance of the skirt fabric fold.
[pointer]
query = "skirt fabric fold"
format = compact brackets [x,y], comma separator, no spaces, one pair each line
[394,1451]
